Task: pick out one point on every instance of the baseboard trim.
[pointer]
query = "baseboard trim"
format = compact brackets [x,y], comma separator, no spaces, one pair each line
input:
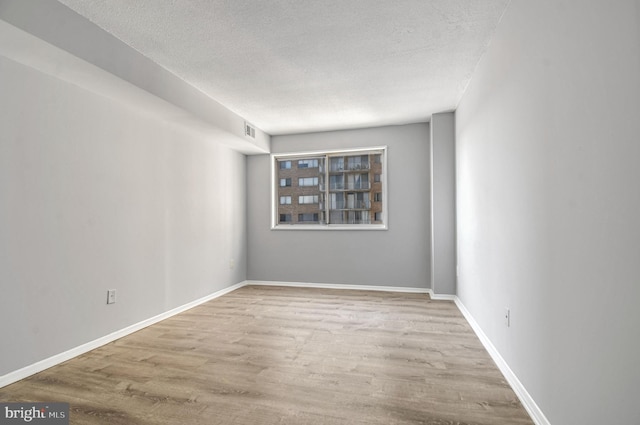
[34,368]
[339,286]
[525,398]
[441,297]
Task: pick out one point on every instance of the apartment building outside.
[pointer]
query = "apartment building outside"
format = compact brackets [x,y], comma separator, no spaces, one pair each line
[330,189]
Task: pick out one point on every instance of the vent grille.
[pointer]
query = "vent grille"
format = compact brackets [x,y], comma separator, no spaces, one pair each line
[249,130]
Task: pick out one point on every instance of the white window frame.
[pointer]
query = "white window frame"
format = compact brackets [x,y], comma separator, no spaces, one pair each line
[314,181]
[313,161]
[302,199]
[328,153]
[286,199]
[285,182]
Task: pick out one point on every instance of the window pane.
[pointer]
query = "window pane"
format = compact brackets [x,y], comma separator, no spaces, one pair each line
[308,217]
[308,181]
[285,218]
[308,199]
[335,188]
[308,163]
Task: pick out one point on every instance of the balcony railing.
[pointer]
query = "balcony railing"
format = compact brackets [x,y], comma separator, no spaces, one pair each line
[349,186]
[364,166]
[360,166]
[351,221]
[354,205]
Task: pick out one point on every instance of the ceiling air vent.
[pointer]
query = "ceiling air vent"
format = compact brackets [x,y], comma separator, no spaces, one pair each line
[249,130]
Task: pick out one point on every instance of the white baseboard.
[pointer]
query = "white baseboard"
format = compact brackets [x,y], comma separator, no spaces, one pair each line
[339,286]
[441,297]
[34,368]
[525,398]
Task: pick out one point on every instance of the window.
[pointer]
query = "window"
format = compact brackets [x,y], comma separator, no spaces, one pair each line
[336,182]
[308,163]
[359,162]
[308,181]
[307,217]
[308,199]
[342,189]
[285,218]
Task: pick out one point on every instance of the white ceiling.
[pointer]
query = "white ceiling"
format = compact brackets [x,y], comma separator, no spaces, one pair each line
[292,66]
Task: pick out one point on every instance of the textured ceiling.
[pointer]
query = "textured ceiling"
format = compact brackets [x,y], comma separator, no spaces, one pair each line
[291,66]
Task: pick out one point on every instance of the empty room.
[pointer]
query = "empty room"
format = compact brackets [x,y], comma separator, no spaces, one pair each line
[320,212]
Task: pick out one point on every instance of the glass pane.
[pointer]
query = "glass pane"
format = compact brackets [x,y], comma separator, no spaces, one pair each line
[348,190]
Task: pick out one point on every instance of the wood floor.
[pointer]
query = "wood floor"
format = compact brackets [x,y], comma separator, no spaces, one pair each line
[276,355]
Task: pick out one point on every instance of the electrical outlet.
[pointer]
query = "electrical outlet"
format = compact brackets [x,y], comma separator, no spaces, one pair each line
[507,317]
[232,264]
[111,296]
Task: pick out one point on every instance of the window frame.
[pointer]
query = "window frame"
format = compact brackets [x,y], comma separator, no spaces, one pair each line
[297,156]
[302,199]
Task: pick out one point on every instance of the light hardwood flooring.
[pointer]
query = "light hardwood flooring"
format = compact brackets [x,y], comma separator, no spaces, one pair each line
[278,355]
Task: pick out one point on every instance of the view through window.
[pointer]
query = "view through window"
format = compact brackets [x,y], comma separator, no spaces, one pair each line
[343,189]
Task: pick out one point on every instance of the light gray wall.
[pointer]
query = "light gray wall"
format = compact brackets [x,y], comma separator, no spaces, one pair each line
[548,199]
[443,203]
[95,195]
[399,256]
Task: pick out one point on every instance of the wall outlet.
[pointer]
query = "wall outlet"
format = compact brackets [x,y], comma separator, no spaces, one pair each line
[232,264]
[507,317]
[111,296]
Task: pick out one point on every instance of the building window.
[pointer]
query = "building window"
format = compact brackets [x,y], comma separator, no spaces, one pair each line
[285,218]
[308,163]
[307,217]
[308,199]
[308,181]
[335,189]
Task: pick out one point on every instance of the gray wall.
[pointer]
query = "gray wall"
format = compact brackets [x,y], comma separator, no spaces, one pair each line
[399,256]
[97,194]
[548,173]
[443,203]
